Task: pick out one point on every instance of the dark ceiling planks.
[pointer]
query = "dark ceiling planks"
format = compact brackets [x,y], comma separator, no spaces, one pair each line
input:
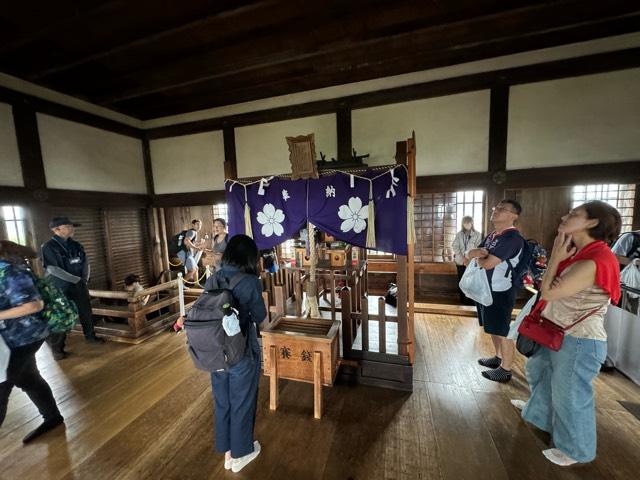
[153,58]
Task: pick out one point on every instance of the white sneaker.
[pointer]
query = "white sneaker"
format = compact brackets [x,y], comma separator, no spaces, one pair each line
[558,457]
[519,404]
[239,463]
[228,462]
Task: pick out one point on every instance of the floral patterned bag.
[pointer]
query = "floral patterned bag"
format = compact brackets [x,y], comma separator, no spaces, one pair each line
[60,313]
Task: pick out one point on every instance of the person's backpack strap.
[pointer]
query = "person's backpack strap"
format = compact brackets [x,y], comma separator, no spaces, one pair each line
[214,284]
[236,279]
[211,283]
[522,267]
[635,245]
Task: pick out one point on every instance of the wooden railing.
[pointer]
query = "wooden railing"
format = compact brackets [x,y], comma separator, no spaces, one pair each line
[142,321]
[352,319]
[280,290]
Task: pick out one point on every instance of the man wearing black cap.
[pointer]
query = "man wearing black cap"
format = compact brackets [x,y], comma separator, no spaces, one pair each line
[66,263]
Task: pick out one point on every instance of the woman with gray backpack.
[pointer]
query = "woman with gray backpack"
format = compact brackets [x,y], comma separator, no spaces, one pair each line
[222,330]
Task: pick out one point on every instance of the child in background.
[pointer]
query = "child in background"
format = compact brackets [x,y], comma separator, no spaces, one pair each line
[132,284]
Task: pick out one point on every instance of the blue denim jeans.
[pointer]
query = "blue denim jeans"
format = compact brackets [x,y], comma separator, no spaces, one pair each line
[236,395]
[561,401]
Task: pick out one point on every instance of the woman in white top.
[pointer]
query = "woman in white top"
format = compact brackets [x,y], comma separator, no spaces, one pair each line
[466,239]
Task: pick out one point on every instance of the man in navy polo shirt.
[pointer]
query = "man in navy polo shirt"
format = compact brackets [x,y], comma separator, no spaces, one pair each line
[499,254]
[66,263]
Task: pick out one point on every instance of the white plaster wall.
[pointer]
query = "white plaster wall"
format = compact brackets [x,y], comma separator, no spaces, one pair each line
[79,157]
[262,149]
[10,169]
[190,163]
[452,132]
[575,121]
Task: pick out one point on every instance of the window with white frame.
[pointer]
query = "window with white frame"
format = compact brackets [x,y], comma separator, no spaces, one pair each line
[620,196]
[220,210]
[14,224]
[287,250]
[470,204]
[437,218]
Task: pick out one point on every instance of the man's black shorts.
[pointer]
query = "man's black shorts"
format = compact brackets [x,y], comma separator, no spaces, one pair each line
[496,318]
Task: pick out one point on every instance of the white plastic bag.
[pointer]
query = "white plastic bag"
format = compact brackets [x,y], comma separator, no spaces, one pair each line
[475,285]
[231,323]
[5,353]
[630,276]
[513,329]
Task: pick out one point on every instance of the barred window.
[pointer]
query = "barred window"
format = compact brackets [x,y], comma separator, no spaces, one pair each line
[437,220]
[13,224]
[620,196]
[220,211]
[287,250]
[471,204]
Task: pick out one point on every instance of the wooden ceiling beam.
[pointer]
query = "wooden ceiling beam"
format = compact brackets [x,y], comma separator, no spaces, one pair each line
[22,26]
[241,59]
[590,64]
[268,84]
[232,25]
[113,23]
[190,35]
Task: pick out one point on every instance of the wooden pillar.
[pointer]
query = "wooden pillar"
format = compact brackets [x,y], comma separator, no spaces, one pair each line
[273,378]
[33,175]
[347,328]
[344,138]
[364,321]
[498,131]
[163,241]
[317,385]
[148,166]
[267,306]
[279,299]
[299,294]
[109,249]
[333,298]
[405,320]
[382,327]
[155,245]
[636,209]
[28,139]
[230,161]
[409,270]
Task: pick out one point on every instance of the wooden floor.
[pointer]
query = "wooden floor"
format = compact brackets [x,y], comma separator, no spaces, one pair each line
[138,412]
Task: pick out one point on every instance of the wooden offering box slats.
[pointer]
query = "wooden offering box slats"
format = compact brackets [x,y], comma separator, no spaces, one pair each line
[304,350]
[296,339]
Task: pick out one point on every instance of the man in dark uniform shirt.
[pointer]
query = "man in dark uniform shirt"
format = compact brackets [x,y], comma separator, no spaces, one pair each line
[66,263]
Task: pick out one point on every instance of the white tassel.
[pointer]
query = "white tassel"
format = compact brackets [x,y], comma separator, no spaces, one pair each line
[311,304]
[247,221]
[411,229]
[371,222]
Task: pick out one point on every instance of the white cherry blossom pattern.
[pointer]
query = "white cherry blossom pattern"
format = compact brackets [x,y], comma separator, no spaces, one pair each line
[354,215]
[271,219]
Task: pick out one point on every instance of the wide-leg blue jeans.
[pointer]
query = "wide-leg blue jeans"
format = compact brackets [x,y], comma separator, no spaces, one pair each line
[562,401]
